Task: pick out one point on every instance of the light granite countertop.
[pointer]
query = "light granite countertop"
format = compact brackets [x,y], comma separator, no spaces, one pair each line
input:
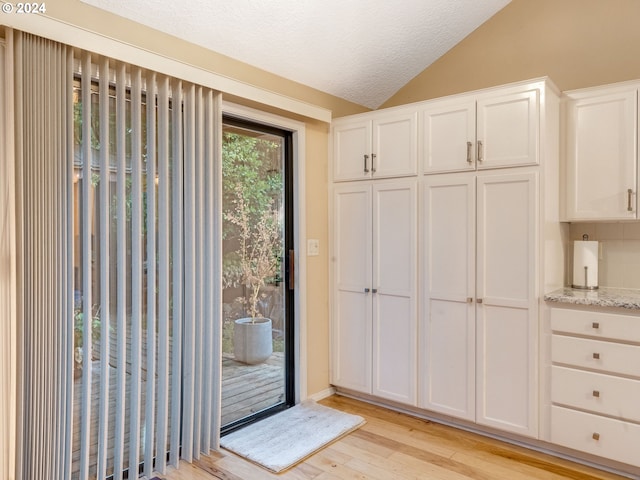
[602,297]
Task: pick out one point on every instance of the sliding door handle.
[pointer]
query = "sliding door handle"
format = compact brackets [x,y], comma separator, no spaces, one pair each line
[292,268]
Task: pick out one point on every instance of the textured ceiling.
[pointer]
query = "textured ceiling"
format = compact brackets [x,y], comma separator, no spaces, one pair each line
[360,50]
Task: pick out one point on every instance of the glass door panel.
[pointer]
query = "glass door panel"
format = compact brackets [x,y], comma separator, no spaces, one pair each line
[256,324]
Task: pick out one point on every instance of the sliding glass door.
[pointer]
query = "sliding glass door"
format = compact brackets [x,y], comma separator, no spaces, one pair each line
[257,272]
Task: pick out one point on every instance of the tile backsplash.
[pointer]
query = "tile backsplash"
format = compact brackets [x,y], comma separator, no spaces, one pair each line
[619,260]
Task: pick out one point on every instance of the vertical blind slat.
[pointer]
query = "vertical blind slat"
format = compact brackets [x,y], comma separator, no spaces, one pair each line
[87,300]
[69,241]
[207,274]
[105,313]
[164,225]
[121,234]
[199,266]
[149,424]
[216,220]
[177,273]
[136,270]
[188,356]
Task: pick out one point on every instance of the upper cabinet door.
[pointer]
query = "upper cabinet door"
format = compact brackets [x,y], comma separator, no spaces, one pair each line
[601,155]
[449,133]
[394,152]
[352,150]
[507,129]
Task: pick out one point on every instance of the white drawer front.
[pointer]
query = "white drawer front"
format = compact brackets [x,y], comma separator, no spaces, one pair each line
[596,392]
[614,439]
[596,324]
[595,354]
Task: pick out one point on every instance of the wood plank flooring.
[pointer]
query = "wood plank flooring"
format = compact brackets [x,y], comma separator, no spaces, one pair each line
[396,446]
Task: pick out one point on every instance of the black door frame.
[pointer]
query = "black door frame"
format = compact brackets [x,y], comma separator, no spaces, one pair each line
[288,251]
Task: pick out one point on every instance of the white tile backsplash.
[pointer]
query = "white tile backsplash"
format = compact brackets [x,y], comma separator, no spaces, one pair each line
[619,264]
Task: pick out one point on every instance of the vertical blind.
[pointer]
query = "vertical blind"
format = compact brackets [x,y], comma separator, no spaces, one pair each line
[7,270]
[119,207]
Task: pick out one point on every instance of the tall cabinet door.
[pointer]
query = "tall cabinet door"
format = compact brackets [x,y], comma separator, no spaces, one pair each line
[506,310]
[447,383]
[507,129]
[352,305]
[394,281]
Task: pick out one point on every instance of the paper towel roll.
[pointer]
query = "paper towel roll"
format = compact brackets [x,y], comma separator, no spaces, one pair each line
[585,254]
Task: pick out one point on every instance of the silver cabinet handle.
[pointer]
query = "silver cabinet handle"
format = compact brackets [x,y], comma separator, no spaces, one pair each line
[373,163]
[480,152]
[366,168]
[469,145]
[595,436]
[595,325]
[478,300]
[596,393]
[469,299]
[367,290]
[596,356]
[375,290]
[629,193]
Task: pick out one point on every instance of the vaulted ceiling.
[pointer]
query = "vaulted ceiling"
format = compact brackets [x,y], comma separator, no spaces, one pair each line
[361,50]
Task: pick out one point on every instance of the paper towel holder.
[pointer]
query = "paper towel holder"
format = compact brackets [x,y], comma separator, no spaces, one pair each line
[586,286]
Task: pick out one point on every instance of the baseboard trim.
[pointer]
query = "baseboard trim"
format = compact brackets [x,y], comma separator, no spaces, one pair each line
[327,392]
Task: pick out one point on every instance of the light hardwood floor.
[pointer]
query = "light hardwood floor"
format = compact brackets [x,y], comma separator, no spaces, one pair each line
[396,446]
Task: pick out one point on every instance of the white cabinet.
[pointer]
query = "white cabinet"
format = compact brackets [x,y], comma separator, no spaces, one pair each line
[374,317]
[601,153]
[376,145]
[448,313]
[480,309]
[595,383]
[489,130]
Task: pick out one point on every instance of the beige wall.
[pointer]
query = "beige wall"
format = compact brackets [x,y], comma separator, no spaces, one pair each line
[577,43]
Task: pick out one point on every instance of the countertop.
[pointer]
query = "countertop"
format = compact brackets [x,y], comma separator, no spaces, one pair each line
[602,297]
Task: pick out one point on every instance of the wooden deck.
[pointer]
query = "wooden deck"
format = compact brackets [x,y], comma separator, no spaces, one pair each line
[246,389]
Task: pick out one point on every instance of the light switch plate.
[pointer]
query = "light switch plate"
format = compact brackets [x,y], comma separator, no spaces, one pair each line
[313,247]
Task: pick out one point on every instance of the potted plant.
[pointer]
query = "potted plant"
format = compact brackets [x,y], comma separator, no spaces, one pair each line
[259,236]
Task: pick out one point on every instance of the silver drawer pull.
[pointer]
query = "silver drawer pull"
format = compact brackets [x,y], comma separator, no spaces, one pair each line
[596,393]
[595,325]
[469,145]
[595,436]
[596,356]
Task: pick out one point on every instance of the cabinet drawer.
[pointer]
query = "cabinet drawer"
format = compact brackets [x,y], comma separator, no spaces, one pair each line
[596,392]
[596,324]
[609,357]
[596,435]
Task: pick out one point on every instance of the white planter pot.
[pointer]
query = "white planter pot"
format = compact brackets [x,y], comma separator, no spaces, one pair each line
[252,340]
